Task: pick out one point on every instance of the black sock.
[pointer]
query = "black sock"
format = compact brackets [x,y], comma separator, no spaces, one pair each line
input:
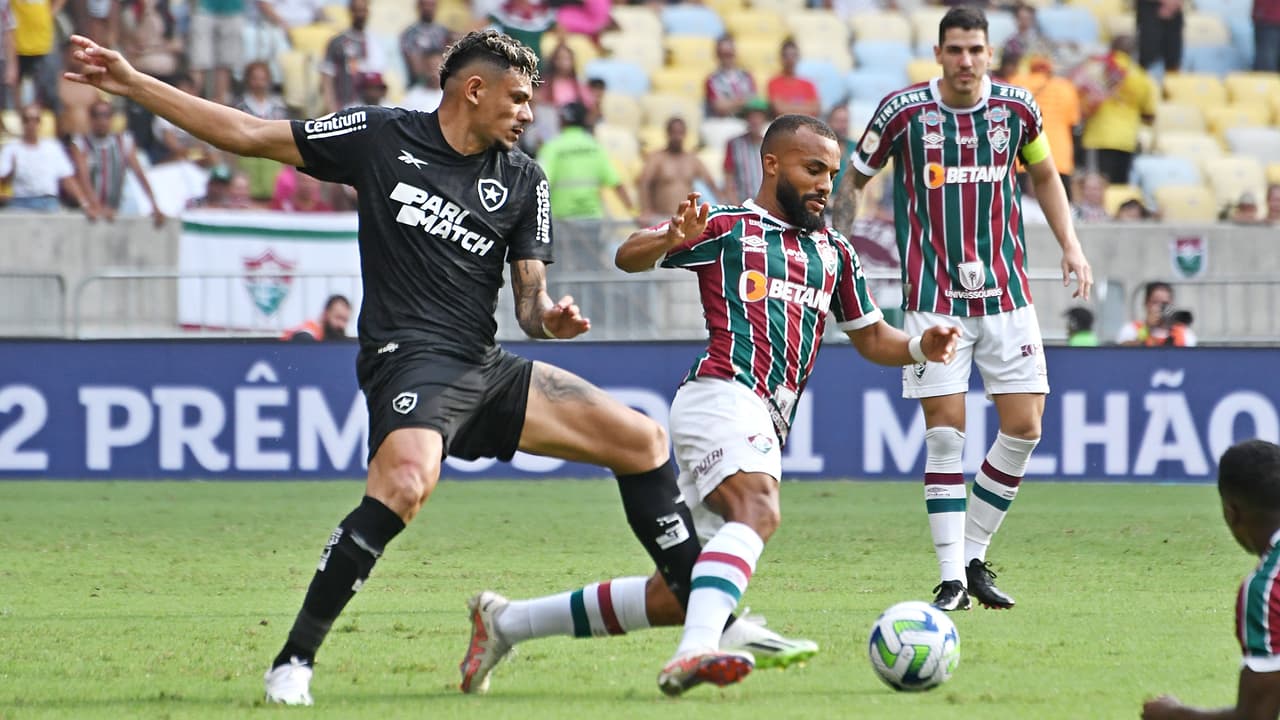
[345,564]
[663,525]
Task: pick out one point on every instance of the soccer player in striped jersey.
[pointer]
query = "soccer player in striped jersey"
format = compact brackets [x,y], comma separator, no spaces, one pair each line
[1249,486]
[769,271]
[955,143]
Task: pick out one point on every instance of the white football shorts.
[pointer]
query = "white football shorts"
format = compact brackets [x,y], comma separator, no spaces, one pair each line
[719,428]
[1006,347]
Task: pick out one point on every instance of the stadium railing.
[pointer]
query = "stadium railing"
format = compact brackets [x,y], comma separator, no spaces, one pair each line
[32,304]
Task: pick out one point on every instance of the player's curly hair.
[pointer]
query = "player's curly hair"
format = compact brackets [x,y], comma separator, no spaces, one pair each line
[498,49]
[1250,472]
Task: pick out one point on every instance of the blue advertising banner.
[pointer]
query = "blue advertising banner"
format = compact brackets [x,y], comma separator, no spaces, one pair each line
[128,409]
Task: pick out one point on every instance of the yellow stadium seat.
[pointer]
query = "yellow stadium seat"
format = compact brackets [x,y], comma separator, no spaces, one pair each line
[645,51]
[833,48]
[654,138]
[1121,25]
[924,23]
[782,7]
[1226,117]
[690,83]
[456,16]
[691,51]
[1273,174]
[1201,29]
[584,51]
[755,22]
[336,15]
[1199,89]
[389,18]
[759,54]
[1193,145]
[301,80]
[311,39]
[882,26]
[921,69]
[1117,195]
[1186,203]
[1233,175]
[660,107]
[622,143]
[724,7]
[713,158]
[1178,117]
[1103,11]
[638,20]
[1252,87]
[620,110]
[818,23]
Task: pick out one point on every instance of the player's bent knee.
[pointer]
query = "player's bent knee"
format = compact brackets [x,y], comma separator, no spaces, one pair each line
[404,484]
[641,447]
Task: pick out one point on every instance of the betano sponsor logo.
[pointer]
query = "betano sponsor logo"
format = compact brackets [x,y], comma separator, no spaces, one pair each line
[937,175]
[754,285]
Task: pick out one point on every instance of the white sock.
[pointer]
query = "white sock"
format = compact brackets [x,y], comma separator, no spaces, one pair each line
[614,607]
[994,489]
[944,498]
[720,576]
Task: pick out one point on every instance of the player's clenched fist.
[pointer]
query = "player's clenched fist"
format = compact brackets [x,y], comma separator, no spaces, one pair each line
[939,343]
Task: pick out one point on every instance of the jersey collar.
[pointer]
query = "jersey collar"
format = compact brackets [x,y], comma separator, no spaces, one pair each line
[982,99]
[765,214]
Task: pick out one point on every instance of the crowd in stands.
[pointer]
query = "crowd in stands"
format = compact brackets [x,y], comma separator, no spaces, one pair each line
[1158,109]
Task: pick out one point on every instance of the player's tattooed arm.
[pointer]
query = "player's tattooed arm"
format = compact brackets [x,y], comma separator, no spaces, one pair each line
[529,283]
[538,316]
[844,204]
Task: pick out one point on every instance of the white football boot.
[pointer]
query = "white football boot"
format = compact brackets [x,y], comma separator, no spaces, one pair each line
[487,647]
[289,684]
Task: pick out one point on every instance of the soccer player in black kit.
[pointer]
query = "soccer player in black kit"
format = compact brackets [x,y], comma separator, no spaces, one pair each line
[444,202]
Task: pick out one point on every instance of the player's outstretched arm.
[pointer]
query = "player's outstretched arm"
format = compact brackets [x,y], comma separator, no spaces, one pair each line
[539,317]
[885,344]
[844,205]
[223,127]
[644,248]
[1258,699]
[1057,210]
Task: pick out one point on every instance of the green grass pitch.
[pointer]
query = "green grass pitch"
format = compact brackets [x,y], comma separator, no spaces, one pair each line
[166,600]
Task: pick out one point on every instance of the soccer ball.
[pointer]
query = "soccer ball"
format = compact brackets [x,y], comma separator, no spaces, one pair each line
[914,646]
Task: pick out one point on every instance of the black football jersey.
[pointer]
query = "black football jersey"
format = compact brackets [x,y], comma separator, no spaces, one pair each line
[436,227]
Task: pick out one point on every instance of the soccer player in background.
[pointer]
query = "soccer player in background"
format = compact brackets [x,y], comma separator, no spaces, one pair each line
[955,142]
[1249,487]
[444,201]
[768,272]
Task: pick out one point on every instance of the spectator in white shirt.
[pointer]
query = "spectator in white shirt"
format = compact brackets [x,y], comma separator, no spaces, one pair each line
[38,168]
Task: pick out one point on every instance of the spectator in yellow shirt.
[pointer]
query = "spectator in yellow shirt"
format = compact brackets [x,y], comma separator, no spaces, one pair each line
[1116,107]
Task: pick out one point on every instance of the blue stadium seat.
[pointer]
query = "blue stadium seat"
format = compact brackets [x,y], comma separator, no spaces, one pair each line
[1213,59]
[691,20]
[829,81]
[1067,23]
[872,85]
[1151,172]
[1242,37]
[1000,27]
[1225,9]
[621,76]
[884,55]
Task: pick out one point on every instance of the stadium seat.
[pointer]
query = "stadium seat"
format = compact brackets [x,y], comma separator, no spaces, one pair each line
[1191,145]
[1212,59]
[1224,118]
[638,49]
[1231,176]
[882,26]
[760,55]
[756,22]
[621,143]
[1261,143]
[717,132]
[637,19]
[584,50]
[873,85]
[693,52]
[1252,87]
[1273,173]
[618,75]
[654,137]
[1117,195]
[1103,11]
[1178,117]
[924,24]
[882,55]
[1000,27]
[1202,29]
[922,69]
[1186,203]
[1122,25]
[1151,172]
[301,80]
[1069,24]
[1224,8]
[339,16]
[724,7]
[620,110]
[658,108]
[389,18]
[690,83]
[860,114]
[691,20]
[1199,89]
[823,24]
[454,15]
[827,78]
[828,50]
[311,39]
[713,158]
[782,7]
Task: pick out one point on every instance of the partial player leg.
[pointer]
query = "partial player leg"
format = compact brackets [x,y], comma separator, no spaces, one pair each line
[571,419]
[944,495]
[402,475]
[996,486]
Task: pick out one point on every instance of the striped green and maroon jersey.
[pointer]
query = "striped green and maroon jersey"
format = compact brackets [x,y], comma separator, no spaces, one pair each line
[1258,613]
[957,205]
[766,288]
